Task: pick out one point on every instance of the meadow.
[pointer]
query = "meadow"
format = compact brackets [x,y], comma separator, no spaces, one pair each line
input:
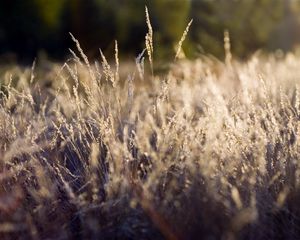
[207,150]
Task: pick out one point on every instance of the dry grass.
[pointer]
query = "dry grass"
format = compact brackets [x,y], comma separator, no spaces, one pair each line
[207,151]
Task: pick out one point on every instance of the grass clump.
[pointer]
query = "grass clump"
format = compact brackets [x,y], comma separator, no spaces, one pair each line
[207,151]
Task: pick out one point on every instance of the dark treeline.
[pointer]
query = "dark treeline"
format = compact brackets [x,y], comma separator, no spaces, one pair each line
[33,26]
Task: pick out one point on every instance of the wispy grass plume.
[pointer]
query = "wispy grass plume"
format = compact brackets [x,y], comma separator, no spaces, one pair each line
[179,47]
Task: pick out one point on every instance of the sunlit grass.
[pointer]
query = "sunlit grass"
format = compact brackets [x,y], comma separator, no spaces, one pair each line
[206,151]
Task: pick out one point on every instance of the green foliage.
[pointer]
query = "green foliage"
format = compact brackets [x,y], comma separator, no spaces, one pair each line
[44,24]
[252,23]
[207,29]
[170,19]
[50,12]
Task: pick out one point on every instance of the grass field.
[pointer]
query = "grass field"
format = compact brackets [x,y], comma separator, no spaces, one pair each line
[208,150]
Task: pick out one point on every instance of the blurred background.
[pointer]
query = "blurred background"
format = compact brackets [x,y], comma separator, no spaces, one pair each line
[33,28]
